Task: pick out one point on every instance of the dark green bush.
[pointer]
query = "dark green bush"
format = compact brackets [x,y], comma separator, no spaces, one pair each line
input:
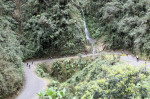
[101,79]
[63,69]
[11,71]
[123,23]
[52,29]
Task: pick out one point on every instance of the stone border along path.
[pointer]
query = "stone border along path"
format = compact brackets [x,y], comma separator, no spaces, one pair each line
[34,84]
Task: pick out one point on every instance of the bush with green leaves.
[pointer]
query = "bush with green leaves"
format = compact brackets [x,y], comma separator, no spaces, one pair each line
[124,24]
[63,69]
[54,28]
[115,82]
[102,79]
[11,71]
[52,93]
[41,70]
[106,77]
[36,28]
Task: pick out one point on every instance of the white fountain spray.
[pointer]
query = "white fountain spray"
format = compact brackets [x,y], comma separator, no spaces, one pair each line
[91,41]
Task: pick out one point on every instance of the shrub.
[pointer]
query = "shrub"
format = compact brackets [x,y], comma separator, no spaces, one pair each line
[106,77]
[64,69]
[52,93]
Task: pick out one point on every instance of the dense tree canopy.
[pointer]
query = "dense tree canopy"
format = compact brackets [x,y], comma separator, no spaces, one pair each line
[123,23]
[35,28]
[38,28]
[10,52]
[52,26]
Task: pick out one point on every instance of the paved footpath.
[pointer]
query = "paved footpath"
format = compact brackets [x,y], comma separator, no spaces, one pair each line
[132,60]
[32,83]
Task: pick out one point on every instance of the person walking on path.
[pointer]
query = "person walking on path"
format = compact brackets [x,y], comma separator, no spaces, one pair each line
[137,58]
[122,52]
[145,63]
[32,62]
[29,66]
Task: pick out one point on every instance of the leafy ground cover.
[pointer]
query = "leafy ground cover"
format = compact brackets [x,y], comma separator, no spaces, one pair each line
[63,69]
[105,77]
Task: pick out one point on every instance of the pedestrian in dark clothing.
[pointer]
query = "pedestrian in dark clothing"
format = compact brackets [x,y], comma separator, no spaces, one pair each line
[122,52]
[145,64]
[32,62]
[29,66]
[127,54]
[137,58]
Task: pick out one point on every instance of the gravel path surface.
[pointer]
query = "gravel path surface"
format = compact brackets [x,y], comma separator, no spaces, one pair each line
[34,84]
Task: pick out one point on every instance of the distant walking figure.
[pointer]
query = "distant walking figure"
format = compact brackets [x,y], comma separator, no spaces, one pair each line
[32,62]
[122,52]
[137,58]
[29,66]
[145,63]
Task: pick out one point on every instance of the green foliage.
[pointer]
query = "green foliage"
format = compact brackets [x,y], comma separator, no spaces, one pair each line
[124,23]
[39,71]
[93,27]
[66,68]
[42,70]
[11,73]
[115,83]
[52,93]
[11,76]
[36,28]
[63,69]
[104,80]
[55,28]
[41,94]
[91,71]
[105,77]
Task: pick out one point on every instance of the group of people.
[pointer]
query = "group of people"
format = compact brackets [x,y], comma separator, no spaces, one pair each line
[124,53]
[28,65]
[137,57]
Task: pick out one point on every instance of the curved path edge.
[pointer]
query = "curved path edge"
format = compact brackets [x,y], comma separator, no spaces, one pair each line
[34,84]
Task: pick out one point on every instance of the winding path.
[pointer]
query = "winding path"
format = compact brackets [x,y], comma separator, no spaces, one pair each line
[34,84]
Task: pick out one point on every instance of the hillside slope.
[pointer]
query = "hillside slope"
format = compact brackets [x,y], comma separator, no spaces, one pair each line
[123,23]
